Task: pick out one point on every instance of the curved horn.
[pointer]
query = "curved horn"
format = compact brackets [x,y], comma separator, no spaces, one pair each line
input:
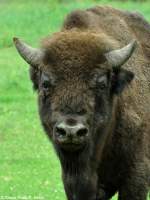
[118,57]
[31,55]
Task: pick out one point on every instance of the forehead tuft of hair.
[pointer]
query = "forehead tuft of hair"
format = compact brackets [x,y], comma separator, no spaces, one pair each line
[75,37]
[76,51]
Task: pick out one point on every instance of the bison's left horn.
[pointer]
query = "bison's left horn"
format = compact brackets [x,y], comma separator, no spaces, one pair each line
[31,55]
[118,57]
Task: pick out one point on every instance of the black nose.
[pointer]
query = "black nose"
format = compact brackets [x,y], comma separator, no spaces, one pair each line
[76,131]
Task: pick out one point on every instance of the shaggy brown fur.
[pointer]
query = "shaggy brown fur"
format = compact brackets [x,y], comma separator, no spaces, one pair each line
[118,157]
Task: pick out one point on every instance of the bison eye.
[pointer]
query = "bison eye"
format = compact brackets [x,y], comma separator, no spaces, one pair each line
[47,81]
[46,84]
[102,82]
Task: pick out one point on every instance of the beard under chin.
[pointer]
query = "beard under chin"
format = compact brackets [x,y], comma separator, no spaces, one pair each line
[74,162]
[70,154]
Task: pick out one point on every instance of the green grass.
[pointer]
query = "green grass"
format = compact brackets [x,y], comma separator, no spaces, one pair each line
[28,164]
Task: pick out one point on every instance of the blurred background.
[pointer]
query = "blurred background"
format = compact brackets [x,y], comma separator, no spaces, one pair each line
[29,168]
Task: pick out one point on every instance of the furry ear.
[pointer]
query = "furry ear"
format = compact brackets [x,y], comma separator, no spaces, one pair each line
[34,76]
[121,78]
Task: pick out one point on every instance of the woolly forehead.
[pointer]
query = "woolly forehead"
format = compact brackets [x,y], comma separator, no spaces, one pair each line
[73,50]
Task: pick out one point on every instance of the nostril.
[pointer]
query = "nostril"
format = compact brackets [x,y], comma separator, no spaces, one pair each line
[60,131]
[82,132]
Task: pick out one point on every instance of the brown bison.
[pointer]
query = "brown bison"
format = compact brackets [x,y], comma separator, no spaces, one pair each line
[94,101]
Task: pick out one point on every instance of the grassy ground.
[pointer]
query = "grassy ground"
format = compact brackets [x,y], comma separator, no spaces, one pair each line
[28,165]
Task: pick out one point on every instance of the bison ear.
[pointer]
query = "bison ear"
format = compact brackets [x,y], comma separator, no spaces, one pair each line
[120,79]
[34,76]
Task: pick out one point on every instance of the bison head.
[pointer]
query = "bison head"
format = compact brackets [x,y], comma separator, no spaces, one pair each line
[78,77]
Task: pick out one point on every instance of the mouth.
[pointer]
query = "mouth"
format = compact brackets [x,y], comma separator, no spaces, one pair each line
[72,146]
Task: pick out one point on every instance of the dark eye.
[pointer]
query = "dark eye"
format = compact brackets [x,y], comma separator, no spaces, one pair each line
[102,86]
[45,81]
[46,84]
[102,82]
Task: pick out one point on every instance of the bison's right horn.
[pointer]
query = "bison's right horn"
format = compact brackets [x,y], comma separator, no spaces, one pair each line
[31,55]
[118,57]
